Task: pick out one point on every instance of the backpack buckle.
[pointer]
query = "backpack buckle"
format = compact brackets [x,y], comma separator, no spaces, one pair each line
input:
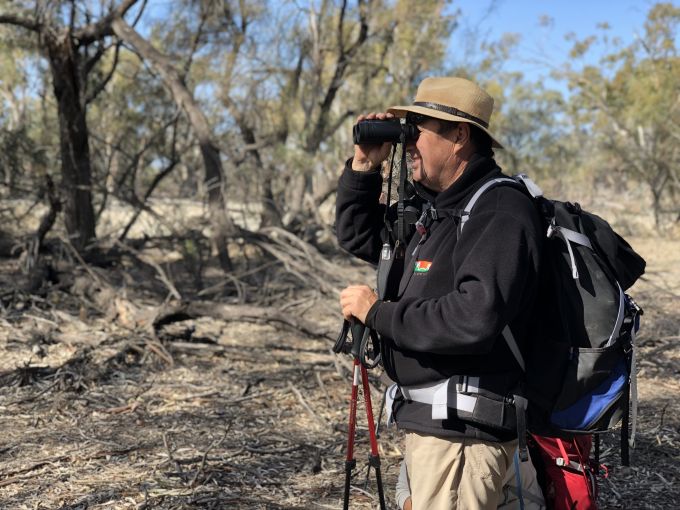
[420,224]
[631,302]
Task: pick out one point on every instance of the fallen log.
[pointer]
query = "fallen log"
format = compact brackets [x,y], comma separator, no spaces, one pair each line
[245,313]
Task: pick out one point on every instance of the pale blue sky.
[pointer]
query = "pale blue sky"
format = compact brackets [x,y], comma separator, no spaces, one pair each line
[541,45]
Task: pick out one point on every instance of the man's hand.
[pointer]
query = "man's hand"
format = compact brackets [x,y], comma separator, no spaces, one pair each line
[368,157]
[356,301]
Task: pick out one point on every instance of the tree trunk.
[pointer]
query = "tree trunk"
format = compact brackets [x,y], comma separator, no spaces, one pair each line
[271,216]
[302,215]
[222,225]
[656,207]
[76,181]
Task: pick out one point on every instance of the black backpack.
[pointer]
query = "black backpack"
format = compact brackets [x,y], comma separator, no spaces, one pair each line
[580,362]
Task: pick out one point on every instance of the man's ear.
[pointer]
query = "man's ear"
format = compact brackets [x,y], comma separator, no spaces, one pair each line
[462,133]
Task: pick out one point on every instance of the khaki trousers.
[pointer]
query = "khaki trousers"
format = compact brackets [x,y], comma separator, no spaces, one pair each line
[456,473]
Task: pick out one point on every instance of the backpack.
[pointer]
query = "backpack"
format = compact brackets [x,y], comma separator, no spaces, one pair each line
[580,375]
[564,471]
[580,365]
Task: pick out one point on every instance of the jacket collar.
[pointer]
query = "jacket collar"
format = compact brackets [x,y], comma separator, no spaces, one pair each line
[479,170]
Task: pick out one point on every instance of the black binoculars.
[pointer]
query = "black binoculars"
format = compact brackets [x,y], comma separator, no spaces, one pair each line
[376,131]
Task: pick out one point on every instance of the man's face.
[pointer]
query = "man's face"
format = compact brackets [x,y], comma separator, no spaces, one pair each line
[434,159]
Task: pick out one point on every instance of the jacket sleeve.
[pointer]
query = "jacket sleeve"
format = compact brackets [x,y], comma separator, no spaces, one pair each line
[496,264]
[359,216]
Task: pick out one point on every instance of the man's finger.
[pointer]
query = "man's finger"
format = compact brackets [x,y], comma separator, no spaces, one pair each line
[358,286]
[346,313]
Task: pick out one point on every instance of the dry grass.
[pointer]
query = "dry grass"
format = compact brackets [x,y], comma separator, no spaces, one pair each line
[97,416]
[213,414]
[652,481]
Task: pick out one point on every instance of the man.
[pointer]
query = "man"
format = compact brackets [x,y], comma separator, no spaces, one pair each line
[442,330]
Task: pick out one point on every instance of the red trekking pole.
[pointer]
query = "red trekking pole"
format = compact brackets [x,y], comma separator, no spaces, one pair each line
[363,359]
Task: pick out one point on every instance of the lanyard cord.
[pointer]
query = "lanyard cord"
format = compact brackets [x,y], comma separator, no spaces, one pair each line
[389,189]
[401,223]
[393,247]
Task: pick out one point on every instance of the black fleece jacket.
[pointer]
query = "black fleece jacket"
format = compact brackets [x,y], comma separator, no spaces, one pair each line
[448,316]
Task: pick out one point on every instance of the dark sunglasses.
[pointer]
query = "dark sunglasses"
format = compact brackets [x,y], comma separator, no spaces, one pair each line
[416,118]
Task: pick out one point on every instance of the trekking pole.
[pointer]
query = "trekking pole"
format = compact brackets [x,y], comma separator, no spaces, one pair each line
[377,432]
[357,348]
[374,458]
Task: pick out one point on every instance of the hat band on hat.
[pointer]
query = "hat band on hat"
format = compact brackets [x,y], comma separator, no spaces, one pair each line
[452,111]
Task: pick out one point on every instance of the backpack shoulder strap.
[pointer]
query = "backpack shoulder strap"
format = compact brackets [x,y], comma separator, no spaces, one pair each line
[514,348]
[533,188]
[525,182]
[465,214]
[521,181]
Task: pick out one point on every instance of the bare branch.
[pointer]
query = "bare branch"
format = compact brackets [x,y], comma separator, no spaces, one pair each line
[102,28]
[342,118]
[102,84]
[139,14]
[156,181]
[72,20]
[92,61]
[162,275]
[194,45]
[341,28]
[320,130]
[46,223]
[10,19]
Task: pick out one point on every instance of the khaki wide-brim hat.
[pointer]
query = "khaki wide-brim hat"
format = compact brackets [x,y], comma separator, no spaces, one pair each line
[454,99]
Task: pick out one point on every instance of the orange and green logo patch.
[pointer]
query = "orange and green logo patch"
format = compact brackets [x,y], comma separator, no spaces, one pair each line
[422,266]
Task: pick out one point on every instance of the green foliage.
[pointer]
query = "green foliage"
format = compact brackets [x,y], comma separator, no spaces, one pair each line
[27,142]
[282,82]
[630,104]
[298,76]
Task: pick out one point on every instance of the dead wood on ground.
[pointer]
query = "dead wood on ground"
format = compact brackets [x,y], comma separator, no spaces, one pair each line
[115,396]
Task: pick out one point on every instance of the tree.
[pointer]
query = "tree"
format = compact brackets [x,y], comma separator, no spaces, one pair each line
[15,142]
[214,173]
[630,104]
[72,51]
[295,76]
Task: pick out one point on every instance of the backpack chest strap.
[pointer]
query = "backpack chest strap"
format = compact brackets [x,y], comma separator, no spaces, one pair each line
[430,215]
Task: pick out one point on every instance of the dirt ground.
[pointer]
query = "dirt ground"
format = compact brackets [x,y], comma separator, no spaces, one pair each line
[241,413]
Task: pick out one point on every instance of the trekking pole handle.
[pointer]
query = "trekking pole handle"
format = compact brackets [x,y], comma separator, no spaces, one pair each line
[359,330]
[339,345]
